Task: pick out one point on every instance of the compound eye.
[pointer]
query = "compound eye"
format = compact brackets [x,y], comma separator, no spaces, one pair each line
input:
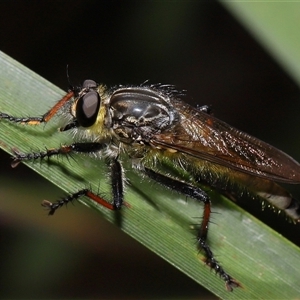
[87,108]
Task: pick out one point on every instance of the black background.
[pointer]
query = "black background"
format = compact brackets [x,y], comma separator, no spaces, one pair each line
[198,46]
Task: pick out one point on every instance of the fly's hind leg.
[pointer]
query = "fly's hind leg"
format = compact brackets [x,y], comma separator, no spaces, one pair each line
[116,175]
[201,196]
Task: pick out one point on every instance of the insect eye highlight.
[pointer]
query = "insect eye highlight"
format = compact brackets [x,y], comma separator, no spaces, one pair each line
[87,108]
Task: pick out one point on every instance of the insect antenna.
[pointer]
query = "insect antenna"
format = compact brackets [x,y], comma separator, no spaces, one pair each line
[72,88]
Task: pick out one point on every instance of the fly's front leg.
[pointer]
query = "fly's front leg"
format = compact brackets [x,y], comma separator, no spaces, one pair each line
[201,196]
[44,118]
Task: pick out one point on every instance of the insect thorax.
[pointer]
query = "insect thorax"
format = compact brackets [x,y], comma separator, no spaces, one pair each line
[140,112]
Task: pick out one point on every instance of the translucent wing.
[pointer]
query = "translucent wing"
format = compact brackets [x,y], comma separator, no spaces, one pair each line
[205,137]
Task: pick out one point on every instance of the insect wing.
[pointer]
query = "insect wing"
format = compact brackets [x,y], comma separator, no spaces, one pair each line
[203,136]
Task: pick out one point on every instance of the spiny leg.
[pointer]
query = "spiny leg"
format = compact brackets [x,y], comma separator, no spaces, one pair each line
[44,118]
[117,187]
[117,184]
[116,175]
[201,196]
[65,200]
[63,150]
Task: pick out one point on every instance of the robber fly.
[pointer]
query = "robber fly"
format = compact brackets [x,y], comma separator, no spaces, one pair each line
[177,145]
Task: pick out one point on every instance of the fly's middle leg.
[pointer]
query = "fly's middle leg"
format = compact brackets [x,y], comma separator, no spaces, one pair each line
[116,175]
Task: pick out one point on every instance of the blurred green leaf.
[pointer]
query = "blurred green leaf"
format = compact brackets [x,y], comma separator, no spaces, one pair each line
[275,25]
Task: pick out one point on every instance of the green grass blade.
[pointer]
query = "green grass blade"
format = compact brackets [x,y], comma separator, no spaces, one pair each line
[264,262]
[275,25]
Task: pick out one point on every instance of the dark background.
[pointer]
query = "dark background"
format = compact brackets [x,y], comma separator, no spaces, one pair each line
[198,46]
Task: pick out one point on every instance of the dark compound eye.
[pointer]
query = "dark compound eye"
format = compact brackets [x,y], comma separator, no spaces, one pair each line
[87,108]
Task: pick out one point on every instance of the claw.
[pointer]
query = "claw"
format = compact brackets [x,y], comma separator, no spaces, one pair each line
[15,162]
[48,205]
[16,158]
[231,283]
